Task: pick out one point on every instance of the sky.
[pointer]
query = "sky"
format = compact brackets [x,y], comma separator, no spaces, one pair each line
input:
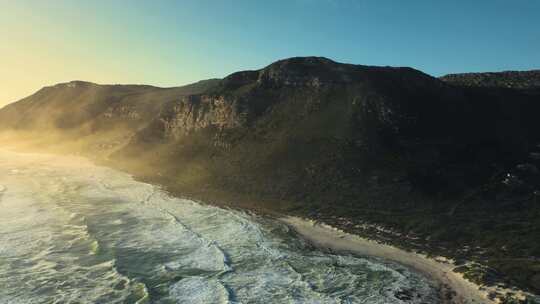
[171,43]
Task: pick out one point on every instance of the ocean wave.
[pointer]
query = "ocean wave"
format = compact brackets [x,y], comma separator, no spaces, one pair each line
[201,253]
[200,290]
[207,256]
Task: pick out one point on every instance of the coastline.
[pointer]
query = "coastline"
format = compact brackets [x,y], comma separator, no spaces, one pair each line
[453,288]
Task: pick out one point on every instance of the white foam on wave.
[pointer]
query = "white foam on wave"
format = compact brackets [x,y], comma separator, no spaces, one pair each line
[170,234]
[199,290]
[276,283]
[265,269]
[204,258]
[47,245]
[117,222]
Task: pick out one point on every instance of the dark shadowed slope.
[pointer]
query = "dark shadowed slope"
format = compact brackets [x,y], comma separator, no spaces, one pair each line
[450,166]
[507,79]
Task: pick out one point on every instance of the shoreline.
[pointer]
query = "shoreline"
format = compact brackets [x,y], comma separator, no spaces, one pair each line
[453,288]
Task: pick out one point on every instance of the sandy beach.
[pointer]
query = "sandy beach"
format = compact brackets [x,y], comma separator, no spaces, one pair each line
[438,270]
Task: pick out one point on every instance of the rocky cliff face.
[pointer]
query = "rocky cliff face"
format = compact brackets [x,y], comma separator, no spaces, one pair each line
[392,99]
[196,112]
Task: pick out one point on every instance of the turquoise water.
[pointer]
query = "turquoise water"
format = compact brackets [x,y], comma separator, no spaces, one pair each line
[72,232]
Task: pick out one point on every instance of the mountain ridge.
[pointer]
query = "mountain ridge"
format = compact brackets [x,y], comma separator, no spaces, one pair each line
[505,79]
[449,163]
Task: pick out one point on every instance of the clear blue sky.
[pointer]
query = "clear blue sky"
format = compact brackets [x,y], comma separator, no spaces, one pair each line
[169,43]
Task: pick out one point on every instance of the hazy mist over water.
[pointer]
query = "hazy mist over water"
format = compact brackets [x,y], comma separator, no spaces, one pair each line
[72,232]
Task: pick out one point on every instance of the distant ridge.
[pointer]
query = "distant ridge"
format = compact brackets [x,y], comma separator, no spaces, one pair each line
[506,79]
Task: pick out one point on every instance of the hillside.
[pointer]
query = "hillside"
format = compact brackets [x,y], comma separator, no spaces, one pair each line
[446,167]
[97,118]
[507,79]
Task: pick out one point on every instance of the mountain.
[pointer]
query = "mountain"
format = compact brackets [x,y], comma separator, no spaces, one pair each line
[110,114]
[507,79]
[448,166]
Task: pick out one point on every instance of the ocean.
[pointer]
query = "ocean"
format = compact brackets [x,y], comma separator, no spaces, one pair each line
[74,232]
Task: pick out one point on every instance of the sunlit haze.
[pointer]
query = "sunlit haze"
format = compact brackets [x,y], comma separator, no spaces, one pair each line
[170,43]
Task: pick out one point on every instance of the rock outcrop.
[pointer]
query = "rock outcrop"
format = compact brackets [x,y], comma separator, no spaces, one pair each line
[196,112]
